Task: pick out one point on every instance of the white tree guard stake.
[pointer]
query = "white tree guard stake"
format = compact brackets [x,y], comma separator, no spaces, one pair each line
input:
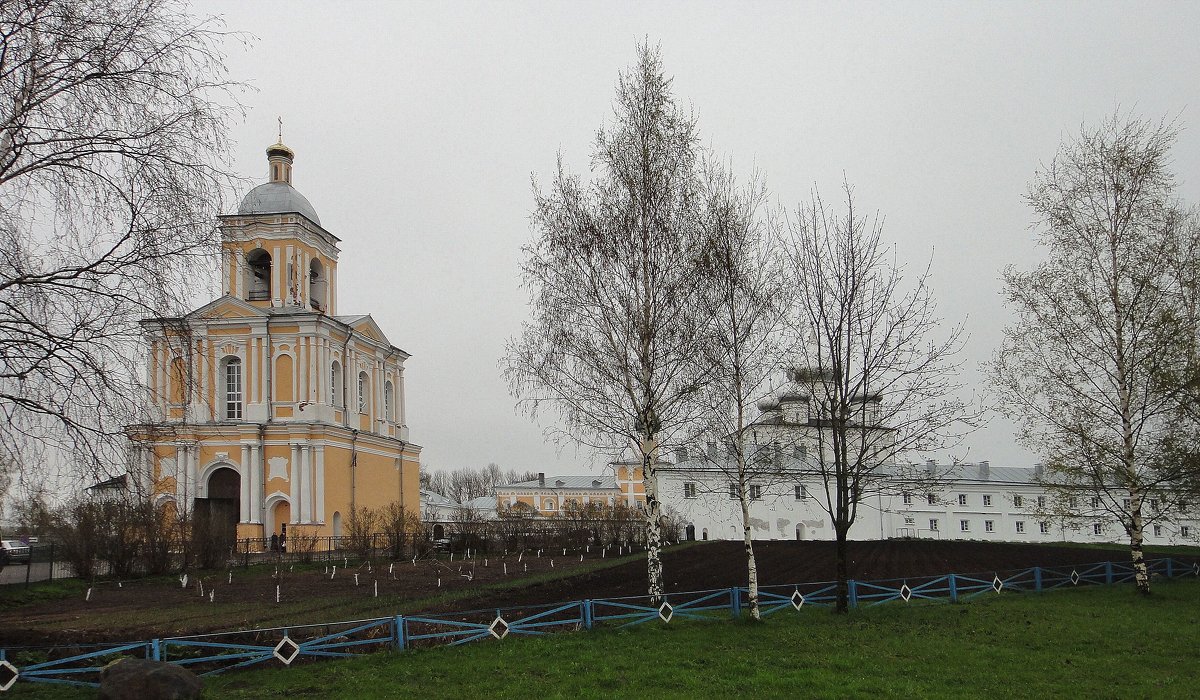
[291,567]
[345,562]
[526,567]
[439,581]
[212,595]
[564,551]
[356,579]
[603,552]
[506,568]
[485,561]
[520,556]
[183,581]
[333,573]
[119,585]
[201,588]
[277,593]
[230,581]
[88,597]
[376,589]
[327,569]
[451,555]
[551,563]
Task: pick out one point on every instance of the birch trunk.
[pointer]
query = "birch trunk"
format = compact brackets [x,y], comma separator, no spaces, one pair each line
[653,530]
[1141,573]
[751,565]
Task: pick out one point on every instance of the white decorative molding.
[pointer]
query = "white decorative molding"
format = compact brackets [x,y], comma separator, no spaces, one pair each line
[278,468]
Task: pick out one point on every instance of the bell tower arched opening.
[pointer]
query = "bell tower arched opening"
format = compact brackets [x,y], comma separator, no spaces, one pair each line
[317,286]
[258,275]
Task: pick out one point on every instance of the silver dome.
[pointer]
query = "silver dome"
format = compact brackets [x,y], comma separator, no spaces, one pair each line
[277,198]
[766,404]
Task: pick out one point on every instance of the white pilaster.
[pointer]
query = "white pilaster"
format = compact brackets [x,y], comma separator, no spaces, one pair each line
[306,483]
[319,483]
[294,483]
[278,269]
[247,489]
[256,484]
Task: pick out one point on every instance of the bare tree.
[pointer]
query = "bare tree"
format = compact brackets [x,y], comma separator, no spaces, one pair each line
[745,298]
[880,387]
[113,145]
[613,341]
[1096,366]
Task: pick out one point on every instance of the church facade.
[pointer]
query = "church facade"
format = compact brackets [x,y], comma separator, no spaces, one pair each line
[269,411]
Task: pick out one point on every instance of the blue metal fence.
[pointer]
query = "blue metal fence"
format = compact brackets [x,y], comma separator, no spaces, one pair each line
[223,651]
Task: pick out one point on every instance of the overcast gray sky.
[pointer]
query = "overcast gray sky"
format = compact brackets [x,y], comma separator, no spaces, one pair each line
[417,127]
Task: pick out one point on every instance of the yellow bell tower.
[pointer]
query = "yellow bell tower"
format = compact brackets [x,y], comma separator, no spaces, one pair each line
[269,411]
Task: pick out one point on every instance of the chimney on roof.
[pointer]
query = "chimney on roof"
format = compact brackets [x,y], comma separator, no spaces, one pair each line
[930,466]
[542,479]
[985,470]
[681,455]
[1038,470]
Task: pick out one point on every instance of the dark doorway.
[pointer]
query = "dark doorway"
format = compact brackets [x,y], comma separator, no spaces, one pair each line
[216,517]
[691,532]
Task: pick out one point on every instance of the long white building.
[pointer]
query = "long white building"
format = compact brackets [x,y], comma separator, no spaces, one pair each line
[961,501]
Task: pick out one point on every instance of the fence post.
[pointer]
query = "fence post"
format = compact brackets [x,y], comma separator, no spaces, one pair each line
[52,561]
[1170,571]
[735,602]
[398,635]
[852,589]
[953,588]
[155,650]
[1037,579]
[1108,572]
[586,611]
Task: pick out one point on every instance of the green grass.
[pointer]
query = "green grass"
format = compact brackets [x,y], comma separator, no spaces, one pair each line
[1092,642]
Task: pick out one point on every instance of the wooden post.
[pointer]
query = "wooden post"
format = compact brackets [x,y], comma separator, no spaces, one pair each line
[1037,579]
[953,584]
[852,588]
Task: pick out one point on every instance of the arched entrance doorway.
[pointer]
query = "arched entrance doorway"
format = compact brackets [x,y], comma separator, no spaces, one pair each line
[216,516]
[799,531]
[691,532]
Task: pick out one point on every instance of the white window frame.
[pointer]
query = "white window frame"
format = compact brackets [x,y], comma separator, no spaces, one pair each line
[987,499]
[1020,525]
[989,526]
[933,524]
[962,499]
[233,394]
[964,525]
[756,492]
[363,389]
[689,489]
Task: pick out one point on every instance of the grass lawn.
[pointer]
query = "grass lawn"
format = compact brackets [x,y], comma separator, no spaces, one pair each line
[1092,642]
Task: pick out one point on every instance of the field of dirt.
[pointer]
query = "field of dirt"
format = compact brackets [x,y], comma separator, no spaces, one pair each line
[243,599]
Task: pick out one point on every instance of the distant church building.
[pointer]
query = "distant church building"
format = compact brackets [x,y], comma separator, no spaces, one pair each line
[269,410]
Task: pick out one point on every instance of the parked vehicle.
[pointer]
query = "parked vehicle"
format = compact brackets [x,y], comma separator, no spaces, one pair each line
[13,551]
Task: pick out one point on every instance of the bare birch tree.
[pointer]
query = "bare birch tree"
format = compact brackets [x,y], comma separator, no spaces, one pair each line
[880,382]
[745,297]
[613,343]
[1096,366]
[113,144]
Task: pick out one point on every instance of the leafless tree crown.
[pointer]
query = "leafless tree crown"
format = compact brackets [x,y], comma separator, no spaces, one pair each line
[113,118]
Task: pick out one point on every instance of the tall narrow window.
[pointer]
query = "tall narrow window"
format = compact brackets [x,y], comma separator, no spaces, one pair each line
[362,392]
[335,383]
[389,402]
[233,388]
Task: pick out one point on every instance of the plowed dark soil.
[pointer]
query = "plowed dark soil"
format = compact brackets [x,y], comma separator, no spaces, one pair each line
[714,565]
[246,600]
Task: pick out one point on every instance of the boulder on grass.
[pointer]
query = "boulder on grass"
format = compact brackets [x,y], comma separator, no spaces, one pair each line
[142,679]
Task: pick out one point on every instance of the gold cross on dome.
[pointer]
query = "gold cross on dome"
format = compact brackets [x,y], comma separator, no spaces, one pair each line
[280,119]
